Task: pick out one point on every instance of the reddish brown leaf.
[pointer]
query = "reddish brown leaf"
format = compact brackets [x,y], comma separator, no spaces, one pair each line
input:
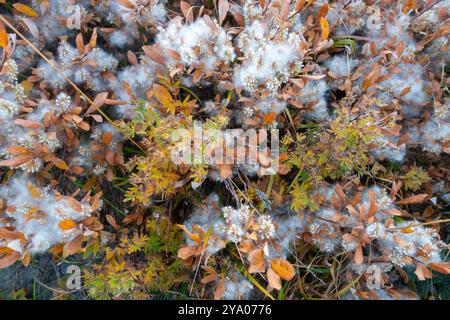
[186,252]
[418,198]
[28,124]
[224,6]
[442,267]
[9,259]
[73,246]
[359,258]
[17,161]
[273,279]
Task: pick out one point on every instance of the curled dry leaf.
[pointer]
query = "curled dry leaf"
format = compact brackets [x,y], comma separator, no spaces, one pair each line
[9,259]
[257,261]
[73,246]
[224,6]
[274,279]
[283,268]
[186,252]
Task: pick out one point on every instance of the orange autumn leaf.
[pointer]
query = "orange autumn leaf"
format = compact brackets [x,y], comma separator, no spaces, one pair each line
[269,118]
[224,6]
[283,268]
[192,236]
[59,163]
[162,94]
[26,259]
[3,36]
[26,10]
[409,5]
[67,224]
[16,150]
[34,191]
[325,28]
[442,267]
[107,137]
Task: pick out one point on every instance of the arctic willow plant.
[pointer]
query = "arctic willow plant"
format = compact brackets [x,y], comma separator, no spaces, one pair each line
[359,98]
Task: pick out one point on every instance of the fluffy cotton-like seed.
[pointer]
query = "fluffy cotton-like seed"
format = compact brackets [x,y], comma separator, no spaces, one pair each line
[201,45]
[37,213]
[267,63]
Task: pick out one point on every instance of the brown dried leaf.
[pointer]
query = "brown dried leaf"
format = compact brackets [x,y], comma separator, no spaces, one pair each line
[154,53]
[107,137]
[73,246]
[9,259]
[93,42]
[418,198]
[224,6]
[220,290]
[422,272]
[112,222]
[29,124]
[442,267]
[17,161]
[257,261]
[322,12]
[273,279]
[187,12]
[186,252]
[359,258]
[59,163]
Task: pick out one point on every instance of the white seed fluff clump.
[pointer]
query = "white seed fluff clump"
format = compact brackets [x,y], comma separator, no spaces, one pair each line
[136,13]
[201,44]
[37,213]
[86,68]
[139,78]
[237,287]
[266,63]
